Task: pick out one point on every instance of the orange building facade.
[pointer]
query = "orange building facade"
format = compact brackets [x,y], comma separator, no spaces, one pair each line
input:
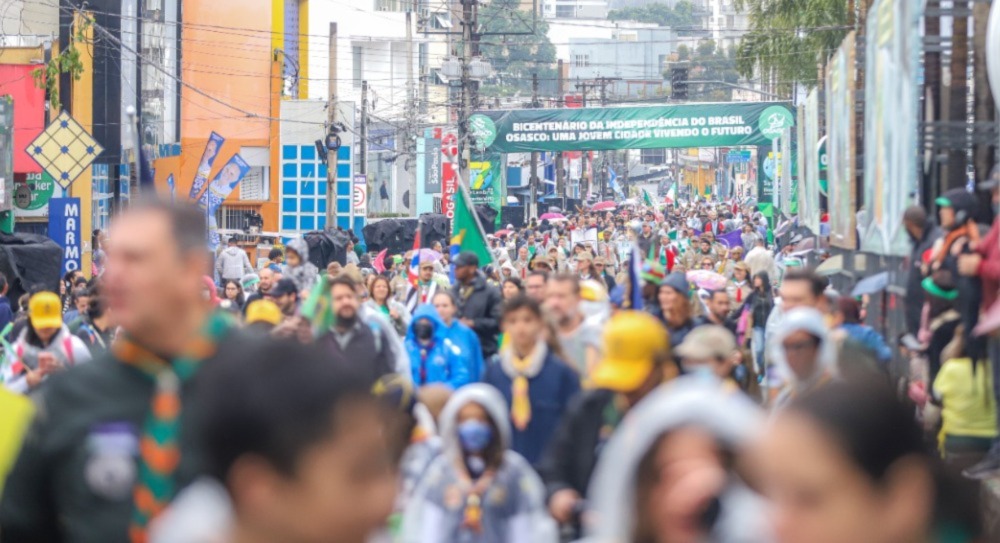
[234,67]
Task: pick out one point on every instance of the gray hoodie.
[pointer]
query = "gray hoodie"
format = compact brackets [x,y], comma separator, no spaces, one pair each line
[689,401]
[513,506]
[233,263]
[304,275]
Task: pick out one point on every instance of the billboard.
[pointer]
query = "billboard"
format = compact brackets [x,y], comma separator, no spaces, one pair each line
[841,81]
[652,127]
[891,114]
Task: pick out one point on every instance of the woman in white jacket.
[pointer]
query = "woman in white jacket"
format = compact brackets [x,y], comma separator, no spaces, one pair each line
[43,347]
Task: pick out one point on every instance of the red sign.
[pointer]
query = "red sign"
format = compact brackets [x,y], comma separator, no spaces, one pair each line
[449,173]
[29,111]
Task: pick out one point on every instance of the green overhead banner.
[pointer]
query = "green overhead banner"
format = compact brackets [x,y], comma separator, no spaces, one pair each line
[654,127]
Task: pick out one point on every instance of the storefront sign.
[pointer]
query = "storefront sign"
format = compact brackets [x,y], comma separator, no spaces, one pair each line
[64,229]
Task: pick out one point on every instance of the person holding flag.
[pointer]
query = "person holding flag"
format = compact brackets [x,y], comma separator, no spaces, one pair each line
[647,200]
[478,302]
[422,286]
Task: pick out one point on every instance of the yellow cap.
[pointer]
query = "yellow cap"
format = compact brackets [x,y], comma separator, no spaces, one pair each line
[263,311]
[45,311]
[592,291]
[632,342]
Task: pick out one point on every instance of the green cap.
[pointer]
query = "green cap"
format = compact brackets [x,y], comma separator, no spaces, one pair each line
[932,288]
[943,202]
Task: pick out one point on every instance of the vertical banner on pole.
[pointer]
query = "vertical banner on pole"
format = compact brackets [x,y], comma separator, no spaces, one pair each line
[767,168]
[212,148]
[218,190]
[449,173]
[64,229]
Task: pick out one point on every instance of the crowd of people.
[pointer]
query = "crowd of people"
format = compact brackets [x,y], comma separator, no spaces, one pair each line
[652,374]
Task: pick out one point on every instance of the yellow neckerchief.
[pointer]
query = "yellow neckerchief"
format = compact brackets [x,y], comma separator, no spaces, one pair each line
[520,402]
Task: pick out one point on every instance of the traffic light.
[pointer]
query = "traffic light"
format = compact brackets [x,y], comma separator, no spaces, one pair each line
[679,82]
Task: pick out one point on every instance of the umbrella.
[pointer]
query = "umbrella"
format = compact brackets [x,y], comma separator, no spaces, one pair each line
[872,284]
[783,228]
[501,233]
[831,266]
[706,279]
[552,217]
[429,256]
[806,244]
[603,206]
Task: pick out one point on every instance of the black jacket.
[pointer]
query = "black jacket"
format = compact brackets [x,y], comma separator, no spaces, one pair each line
[365,351]
[482,306]
[914,291]
[74,477]
[572,455]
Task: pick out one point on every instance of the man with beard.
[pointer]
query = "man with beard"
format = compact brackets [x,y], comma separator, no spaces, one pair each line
[360,345]
[579,340]
[286,296]
[694,257]
[266,282]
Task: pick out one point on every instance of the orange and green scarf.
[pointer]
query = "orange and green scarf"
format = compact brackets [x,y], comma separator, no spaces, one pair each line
[159,451]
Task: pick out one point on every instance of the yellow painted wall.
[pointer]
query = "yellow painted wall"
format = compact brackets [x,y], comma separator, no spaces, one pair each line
[83,112]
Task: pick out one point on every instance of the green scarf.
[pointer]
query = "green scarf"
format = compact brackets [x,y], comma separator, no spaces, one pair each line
[159,453]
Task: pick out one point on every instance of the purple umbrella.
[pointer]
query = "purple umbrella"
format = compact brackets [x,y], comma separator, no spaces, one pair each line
[429,256]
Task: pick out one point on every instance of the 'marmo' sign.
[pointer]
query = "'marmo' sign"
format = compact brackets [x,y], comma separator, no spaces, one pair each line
[652,127]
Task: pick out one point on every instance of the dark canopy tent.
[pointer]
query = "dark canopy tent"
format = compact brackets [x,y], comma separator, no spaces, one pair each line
[396,235]
[325,247]
[30,262]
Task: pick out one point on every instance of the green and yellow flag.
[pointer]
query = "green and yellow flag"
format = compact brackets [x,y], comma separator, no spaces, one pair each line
[466,229]
[318,307]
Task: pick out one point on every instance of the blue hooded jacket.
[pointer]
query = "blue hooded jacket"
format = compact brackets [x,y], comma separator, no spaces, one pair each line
[442,361]
[467,341]
[867,337]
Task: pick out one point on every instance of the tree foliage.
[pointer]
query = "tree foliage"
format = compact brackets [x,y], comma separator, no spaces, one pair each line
[681,15]
[708,63]
[67,61]
[787,38]
[515,57]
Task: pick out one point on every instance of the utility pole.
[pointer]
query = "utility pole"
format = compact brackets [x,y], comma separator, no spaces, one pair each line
[331,119]
[585,156]
[364,144]
[561,98]
[411,109]
[465,107]
[533,195]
